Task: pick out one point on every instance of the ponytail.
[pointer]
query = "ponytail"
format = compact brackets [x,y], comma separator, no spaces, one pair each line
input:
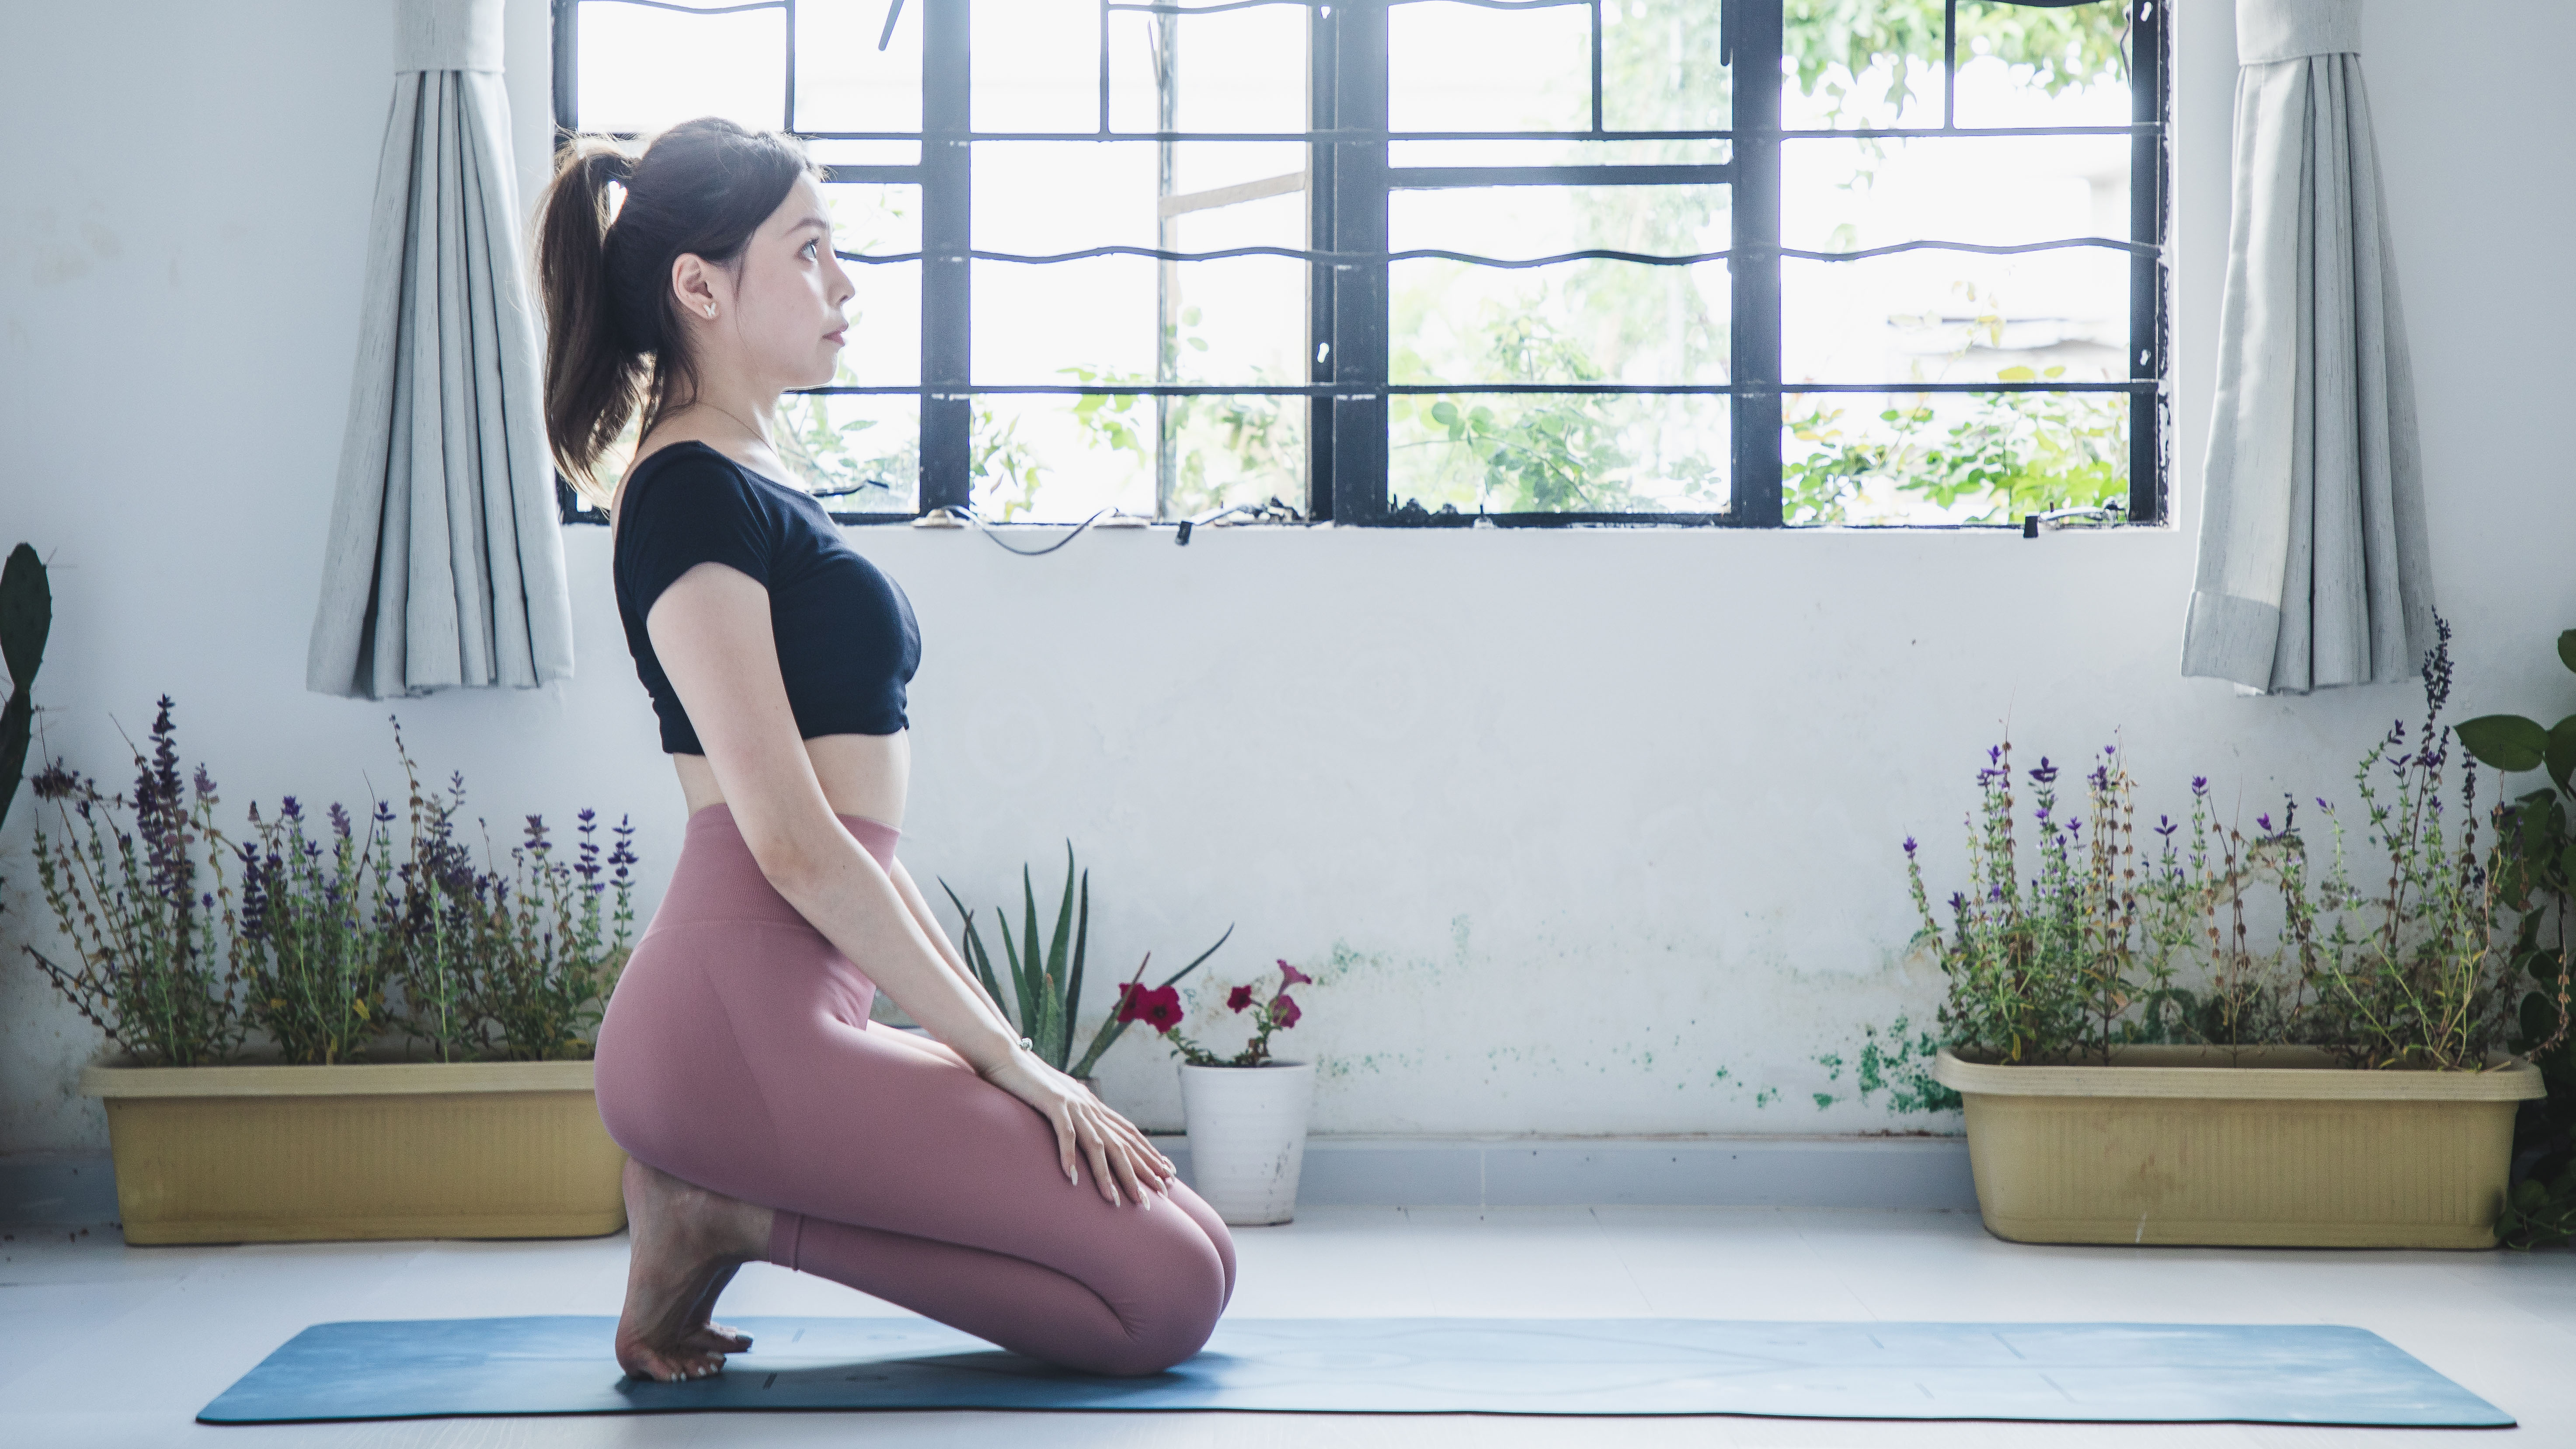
[614,340]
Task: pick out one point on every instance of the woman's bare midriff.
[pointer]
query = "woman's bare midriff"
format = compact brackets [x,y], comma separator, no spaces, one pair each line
[860,775]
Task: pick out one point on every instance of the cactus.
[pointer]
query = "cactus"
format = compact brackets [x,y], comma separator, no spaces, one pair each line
[26,616]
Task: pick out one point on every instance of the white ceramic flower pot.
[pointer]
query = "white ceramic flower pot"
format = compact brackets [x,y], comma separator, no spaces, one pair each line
[1247,1129]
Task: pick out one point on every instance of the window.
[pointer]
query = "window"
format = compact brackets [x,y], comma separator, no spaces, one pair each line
[1416,262]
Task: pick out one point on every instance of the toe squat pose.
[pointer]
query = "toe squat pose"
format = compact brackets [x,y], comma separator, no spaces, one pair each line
[764,1117]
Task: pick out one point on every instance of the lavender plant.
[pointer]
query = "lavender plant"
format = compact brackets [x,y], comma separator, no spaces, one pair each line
[336,943]
[2098,948]
[318,942]
[546,982]
[149,966]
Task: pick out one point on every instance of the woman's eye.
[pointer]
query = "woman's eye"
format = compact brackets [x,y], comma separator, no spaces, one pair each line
[809,246]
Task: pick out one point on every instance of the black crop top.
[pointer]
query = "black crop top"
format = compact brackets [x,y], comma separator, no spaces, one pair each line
[847,642]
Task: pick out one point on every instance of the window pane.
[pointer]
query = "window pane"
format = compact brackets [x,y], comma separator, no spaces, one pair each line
[643,67]
[1043,197]
[1935,316]
[884,344]
[864,153]
[843,82]
[1855,195]
[869,443]
[1453,67]
[1558,153]
[1572,321]
[1064,322]
[1050,458]
[1037,65]
[1934,458]
[1518,222]
[1558,452]
[1659,69]
[1237,70]
[1235,449]
[1860,65]
[2022,66]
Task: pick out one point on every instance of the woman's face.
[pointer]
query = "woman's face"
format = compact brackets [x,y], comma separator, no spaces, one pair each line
[778,313]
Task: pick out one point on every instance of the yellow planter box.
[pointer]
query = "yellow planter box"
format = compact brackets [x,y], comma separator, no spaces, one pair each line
[267,1154]
[2261,1146]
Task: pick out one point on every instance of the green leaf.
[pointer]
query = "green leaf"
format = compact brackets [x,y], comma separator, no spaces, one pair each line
[2507,741]
[2561,754]
[2016,374]
[1445,414]
[2567,648]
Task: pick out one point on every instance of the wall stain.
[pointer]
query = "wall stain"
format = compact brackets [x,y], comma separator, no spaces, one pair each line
[1897,1060]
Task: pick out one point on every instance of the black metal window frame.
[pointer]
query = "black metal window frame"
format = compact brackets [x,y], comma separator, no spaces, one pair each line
[1348,184]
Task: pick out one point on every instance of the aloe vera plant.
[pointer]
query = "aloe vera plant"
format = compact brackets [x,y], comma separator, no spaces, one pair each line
[1045,988]
[26,616]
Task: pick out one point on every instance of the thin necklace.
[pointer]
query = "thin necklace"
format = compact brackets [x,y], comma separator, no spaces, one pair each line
[755,432]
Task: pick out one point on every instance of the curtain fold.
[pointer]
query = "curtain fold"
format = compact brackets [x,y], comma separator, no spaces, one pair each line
[2313,568]
[445,561]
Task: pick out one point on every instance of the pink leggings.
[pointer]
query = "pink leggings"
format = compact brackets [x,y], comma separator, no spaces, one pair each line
[736,1054]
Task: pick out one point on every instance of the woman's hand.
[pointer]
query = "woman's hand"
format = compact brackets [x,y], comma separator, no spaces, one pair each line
[1084,1125]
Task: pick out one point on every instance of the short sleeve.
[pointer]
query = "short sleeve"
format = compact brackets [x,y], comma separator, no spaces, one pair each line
[696,510]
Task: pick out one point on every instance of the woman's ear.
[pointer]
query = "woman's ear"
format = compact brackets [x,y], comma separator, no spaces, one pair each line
[693,284]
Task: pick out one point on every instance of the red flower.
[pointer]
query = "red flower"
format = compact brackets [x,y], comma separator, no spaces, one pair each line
[1291,976]
[1239,998]
[1131,1000]
[1284,1009]
[1162,1008]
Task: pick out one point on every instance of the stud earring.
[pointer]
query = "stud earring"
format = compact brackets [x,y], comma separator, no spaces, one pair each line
[711,309]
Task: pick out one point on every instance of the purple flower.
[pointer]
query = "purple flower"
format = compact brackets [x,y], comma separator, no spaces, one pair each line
[2264,823]
[2165,825]
[2200,784]
[1909,845]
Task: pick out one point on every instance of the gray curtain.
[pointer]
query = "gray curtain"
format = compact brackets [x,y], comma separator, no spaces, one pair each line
[2312,554]
[445,564]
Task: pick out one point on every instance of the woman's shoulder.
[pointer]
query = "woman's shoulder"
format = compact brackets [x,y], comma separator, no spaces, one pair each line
[682,475]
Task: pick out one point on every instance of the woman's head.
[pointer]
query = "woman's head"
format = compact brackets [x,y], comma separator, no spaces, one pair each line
[718,264]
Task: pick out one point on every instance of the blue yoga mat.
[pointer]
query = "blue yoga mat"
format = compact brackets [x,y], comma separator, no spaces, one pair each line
[2098,1372]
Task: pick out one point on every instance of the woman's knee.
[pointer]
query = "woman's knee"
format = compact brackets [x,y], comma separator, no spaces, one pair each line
[1173,1311]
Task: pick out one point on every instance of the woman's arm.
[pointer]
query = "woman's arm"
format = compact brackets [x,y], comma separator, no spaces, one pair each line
[710,628]
[919,905]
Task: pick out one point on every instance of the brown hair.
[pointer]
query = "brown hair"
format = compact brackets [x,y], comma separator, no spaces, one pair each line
[701,187]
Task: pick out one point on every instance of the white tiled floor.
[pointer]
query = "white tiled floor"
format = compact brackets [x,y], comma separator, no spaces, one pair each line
[101,1344]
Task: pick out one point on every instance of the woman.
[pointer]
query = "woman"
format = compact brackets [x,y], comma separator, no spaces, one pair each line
[763,1116]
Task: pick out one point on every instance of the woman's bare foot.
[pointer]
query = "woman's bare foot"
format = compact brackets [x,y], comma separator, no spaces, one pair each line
[685,1244]
[703,1330]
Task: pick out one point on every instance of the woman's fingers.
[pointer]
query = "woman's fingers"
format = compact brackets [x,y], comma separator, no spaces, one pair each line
[1140,1177]
[1065,1143]
[1100,1167]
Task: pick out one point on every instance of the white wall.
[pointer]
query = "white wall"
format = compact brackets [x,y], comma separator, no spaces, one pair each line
[1559,873]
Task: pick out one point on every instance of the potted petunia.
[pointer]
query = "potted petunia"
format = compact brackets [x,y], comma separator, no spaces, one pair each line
[1246,1114]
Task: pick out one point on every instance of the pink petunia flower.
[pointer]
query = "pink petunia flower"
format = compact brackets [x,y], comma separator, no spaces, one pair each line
[1291,976]
[1239,998]
[1284,1008]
